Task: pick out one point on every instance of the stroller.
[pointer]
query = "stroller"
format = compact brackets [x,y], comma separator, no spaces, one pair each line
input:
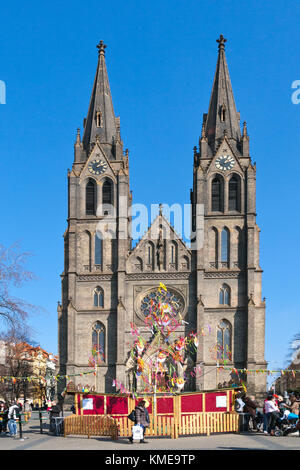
[286,423]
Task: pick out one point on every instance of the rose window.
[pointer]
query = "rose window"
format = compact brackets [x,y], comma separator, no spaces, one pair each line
[171,301]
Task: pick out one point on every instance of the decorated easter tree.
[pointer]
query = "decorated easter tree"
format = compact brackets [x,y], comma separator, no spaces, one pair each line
[165,362]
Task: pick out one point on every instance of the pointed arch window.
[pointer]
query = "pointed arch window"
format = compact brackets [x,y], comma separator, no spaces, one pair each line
[223,113]
[224,340]
[149,253]
[217,194]
[225,247]
[214,247]
[224,295]
[99,119]
[240,252]
[90,198]
[98,297]
[174,253]
[107,197]
[233,194]
[98,341]
[98,250]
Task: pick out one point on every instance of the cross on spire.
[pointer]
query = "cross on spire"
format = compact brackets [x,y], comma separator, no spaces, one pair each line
[221,42]
[101,47]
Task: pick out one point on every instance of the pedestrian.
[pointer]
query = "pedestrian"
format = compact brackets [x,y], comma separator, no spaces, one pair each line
[27,407]
[3,417]
[294,405]
[250,407]
[239,402]
[272,413]
[13,414]
[55,412]
[141,418]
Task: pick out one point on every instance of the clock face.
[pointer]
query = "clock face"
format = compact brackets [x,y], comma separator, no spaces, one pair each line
[97,167]
[225,162]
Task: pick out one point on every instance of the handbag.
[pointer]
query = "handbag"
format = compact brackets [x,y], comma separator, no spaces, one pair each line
[131,416]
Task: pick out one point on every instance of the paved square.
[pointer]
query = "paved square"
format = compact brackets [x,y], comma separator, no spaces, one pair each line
[34,440]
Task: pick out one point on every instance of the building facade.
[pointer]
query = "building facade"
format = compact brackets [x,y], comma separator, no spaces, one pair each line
[215,282]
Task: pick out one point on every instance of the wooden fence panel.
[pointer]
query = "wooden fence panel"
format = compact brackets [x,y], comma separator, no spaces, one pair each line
[207,423]
[173,426]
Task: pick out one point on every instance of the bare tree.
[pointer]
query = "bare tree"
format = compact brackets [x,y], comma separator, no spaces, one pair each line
[14,312]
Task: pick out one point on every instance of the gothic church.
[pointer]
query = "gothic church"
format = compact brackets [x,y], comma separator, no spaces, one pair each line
[107,283]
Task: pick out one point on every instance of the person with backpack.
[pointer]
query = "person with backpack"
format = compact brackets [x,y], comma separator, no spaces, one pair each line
[140,418]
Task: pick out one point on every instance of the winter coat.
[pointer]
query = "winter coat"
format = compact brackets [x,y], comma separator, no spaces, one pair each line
[141,416]
[250,406]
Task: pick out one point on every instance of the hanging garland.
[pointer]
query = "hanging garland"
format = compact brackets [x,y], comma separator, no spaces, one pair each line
[261,371]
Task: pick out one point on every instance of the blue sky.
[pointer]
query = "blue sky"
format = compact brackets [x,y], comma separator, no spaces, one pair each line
[161,58]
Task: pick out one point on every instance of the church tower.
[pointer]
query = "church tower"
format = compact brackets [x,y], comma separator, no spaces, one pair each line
[96,242]
[226,236]
[214,284]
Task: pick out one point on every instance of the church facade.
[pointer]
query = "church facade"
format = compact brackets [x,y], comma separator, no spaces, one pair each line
[216,282]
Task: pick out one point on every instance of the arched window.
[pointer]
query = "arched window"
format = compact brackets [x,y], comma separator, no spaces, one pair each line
[224,334]
[224,296]
[173,253]
[233,194]
[223,113]
[98,340]
[217,194]
[139,263]
[99,119]
[90,198]
[98,297]
[150,253]
[240,253]
[225,247]
[107,197]
[86,249]
[98,250]
[214,247]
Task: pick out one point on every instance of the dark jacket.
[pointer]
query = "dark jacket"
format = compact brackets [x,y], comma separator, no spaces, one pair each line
[250,406]
[55,411]
[142,416]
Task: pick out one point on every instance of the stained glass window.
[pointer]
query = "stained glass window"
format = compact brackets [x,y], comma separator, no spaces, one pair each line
[98,339]
[224,340]
[171,298]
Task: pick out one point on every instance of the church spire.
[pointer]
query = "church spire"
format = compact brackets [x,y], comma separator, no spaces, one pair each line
[101,121]
[222,115]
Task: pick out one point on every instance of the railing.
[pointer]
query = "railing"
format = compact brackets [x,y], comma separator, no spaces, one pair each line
[208,423]
[187,424]
[91,425]
[159,426]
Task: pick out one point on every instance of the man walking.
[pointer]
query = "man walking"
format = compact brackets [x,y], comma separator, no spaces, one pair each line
[13,413]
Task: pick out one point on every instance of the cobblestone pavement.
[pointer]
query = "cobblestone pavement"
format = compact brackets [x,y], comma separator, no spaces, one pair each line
[34,440]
